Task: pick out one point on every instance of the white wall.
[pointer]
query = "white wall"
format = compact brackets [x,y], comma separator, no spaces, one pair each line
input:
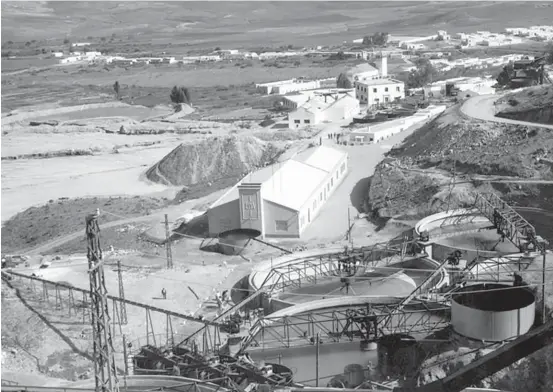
[314,204]
[302,115]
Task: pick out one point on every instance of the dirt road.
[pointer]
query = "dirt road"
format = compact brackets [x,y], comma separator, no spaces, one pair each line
[481,107]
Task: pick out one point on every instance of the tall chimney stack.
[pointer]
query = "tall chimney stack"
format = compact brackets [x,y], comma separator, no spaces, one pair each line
[384,66]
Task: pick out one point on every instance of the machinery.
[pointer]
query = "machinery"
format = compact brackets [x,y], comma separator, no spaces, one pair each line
[524,73]
[451,90]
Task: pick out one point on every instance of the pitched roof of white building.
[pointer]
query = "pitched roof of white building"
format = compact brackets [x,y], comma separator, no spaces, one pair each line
[291,183]
[318,103]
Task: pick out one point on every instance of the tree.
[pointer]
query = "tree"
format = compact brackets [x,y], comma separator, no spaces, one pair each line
[377,39]
[180,95]
[343,81]
[66,41]
[422,75]
[116,89]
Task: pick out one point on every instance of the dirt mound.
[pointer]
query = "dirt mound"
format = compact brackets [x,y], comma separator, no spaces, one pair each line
[477,147]
[533,104]
[212,159]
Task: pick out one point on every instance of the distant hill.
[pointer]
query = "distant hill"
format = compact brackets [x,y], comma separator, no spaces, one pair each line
[251,23]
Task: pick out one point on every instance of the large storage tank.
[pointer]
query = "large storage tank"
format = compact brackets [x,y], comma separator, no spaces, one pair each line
[485,312]
[397,355]
[355,374]
[234,242]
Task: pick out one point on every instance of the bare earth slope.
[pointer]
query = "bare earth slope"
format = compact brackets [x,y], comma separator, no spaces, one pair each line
[213,159]
[533,104]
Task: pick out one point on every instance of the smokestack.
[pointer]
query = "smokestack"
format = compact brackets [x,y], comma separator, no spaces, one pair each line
[384,67]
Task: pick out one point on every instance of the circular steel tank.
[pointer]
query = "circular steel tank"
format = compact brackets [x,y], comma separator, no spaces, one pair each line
[233,242]
[397,355]
[355,374]
[485,312]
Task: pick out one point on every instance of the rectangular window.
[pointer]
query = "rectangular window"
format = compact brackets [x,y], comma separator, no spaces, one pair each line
[332,181]
[386,99]
[375,90]
[386,89]
[343,167]
[307,121]
[397,88]
[281,225]
[321,197]
[297,121]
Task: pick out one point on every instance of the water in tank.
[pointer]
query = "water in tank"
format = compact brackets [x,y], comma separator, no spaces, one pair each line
[355,374]
[397,355]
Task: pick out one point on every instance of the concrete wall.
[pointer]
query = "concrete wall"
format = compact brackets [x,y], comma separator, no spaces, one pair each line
[223,217]
[274,212]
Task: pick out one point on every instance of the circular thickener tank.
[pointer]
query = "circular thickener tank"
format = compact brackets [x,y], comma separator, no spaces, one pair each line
[397,355]
[233,242]
[492,312]
[355,374]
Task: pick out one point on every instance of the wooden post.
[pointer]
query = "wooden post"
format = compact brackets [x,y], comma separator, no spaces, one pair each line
[168,243]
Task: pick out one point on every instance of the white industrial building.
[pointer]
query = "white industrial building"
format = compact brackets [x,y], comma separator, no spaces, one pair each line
[382,131]
[379,91]
[283,199]
[335,106]
[293,85]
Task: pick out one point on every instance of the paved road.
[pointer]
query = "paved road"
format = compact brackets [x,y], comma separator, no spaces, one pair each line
[481,107]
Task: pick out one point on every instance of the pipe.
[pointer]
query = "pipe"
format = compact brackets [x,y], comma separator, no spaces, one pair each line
[272,245]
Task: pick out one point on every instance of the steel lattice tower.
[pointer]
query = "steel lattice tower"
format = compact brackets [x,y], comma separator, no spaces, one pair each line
[104,361]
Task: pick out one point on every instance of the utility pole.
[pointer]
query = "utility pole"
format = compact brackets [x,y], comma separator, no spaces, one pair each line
[122,304]
[168,243]
[349,227]
[317,360]
[105,372]
[543,316]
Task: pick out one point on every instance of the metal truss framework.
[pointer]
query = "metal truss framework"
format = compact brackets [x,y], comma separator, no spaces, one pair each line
[507,221]
[105,371]
[307,271]
[367,322]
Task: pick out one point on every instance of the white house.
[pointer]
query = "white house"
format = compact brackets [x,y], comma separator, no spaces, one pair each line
[379,91]
[327,107]
[281,200]
[57,54]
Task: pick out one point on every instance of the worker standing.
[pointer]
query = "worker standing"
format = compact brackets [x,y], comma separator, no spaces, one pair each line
[164,293]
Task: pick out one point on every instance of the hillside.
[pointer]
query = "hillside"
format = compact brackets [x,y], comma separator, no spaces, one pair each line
[213,159]
[534,104]
[417,175]
[220,23]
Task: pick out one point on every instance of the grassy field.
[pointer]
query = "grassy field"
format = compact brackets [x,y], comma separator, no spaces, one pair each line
[212,85]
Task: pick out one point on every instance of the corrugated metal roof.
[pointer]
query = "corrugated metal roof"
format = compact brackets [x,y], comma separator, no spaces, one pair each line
[291,183]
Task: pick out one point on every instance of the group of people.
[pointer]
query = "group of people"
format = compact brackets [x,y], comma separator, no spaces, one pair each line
[335,136]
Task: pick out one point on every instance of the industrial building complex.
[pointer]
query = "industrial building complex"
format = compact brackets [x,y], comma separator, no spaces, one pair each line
[281,200]
[328,234]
